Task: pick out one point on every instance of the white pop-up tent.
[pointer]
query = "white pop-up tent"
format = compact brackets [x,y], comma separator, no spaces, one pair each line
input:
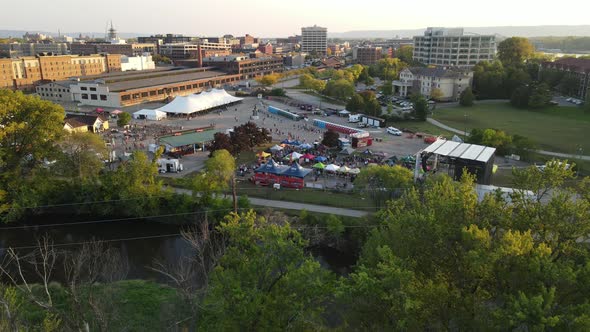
[199,102]
[154,115]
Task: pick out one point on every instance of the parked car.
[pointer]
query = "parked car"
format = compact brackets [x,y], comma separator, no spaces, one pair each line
[394,131]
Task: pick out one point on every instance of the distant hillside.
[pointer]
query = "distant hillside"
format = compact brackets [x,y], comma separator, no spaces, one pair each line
[565,44]
[20,33]
[508,31]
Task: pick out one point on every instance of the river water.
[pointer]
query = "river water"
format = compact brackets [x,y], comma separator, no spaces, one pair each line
[139,241]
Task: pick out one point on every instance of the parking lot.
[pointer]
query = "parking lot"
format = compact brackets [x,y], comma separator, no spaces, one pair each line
[241,113]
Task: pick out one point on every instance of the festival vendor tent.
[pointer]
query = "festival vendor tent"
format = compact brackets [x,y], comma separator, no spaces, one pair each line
[271,173]
[262,154]
[343,169]
[293,176]
[319,166]
[347,151]
[332,168]
[154,115]
[276,148]
[354,171]
[116,112]
[305,146]
[321,158]
[199,102]
[293,156]
[308,156]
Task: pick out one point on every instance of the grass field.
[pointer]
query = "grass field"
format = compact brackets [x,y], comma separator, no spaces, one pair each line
[558,129]
[423,127]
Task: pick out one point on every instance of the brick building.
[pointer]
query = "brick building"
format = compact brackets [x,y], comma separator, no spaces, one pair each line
[579,68]
[246,66]
[367,55]
[266,49]
[24,73]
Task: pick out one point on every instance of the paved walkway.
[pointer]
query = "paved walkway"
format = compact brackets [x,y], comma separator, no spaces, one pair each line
[543,152]
[445,127]
[295,206]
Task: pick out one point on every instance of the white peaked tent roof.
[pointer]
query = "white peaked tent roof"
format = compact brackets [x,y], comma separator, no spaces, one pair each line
[200,102]
[332,168]
[150,114]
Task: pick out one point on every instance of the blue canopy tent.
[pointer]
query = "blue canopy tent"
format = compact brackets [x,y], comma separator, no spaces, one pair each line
[320,158]
[296,171]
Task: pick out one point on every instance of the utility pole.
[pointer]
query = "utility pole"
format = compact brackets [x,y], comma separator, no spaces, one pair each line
[234,194]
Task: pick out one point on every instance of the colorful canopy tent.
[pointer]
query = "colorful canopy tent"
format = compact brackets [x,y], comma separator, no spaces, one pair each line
[354,171]
[262,154]
[347,151]
[293,156]
[199,102]
[289,142]
[305,146]
[271,173]
[116,112]
[343,169]
[321,158]
[319,166]
[153,115]
[332,168]
[308,156]
[276,148]
[296,171]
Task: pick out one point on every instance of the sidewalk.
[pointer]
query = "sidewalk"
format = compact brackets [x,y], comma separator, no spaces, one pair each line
[294,206]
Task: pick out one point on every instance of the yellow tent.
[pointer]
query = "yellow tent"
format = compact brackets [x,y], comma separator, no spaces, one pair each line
[262,154]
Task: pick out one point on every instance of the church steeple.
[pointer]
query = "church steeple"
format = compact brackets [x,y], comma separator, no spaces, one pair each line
[112,32]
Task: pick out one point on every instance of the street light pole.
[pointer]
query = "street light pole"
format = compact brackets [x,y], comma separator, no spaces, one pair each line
[465,132]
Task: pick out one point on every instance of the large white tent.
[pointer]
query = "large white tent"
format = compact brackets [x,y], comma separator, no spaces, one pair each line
[199,102]
[149,114]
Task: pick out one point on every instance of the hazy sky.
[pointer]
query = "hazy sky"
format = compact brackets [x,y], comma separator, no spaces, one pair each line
[271,18]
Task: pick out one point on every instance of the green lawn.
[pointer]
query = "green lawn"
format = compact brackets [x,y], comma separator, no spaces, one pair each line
[423,127]
[310,196]
[558,129]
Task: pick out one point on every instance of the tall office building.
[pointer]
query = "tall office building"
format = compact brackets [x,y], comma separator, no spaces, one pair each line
[314,38]
[452,48]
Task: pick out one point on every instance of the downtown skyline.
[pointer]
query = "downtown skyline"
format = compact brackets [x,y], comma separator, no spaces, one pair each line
[273,19]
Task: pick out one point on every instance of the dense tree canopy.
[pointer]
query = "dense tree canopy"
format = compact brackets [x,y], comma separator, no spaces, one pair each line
[341,89]
[515,51]
[420,107]
[389,68]
[442,261]
[265,281]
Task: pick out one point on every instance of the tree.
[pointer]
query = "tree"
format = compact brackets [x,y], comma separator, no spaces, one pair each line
[330,138]
[340,89]
[384,182]
[436,94]
[265,280]
[466,98]
[569,85]
[83,155]
[540,96]
[515,77]
[487,80]
[387,88]
[268,80]
[123,119]
[515,51]
[30,128]
[372,107]
[420,107]
[364,75]
[520,97]
[439,261]
[491,137]
[405,53]
[221,141]
[218,175]
[356,103]
[389,68]
[309,82]
[161,59]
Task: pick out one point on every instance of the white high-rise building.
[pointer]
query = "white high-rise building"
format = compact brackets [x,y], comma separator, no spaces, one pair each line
[452,48]
[314,38]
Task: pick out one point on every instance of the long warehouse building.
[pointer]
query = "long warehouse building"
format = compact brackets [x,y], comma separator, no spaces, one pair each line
[132,89]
